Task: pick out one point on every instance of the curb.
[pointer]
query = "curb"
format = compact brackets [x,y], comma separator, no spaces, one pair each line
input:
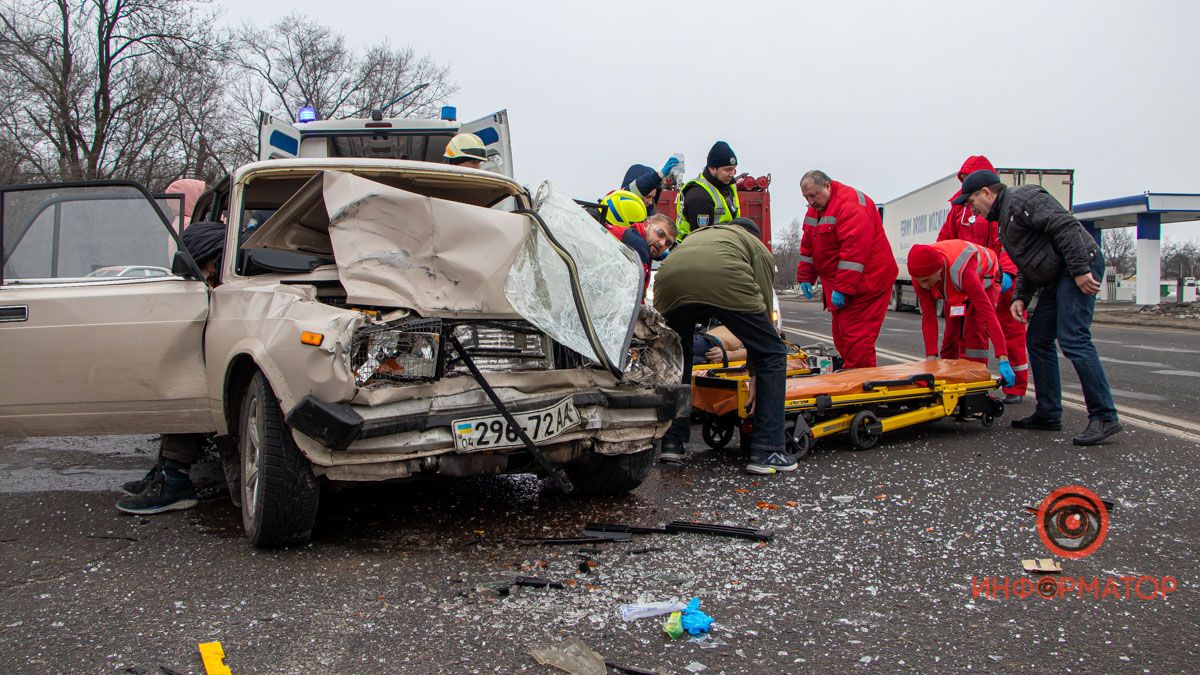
[1145,322]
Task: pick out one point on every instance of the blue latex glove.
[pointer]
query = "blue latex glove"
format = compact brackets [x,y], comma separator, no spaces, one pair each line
[693,620]
[1005,282]
[838,299]
[807,289]
[672,162]
[1006,372]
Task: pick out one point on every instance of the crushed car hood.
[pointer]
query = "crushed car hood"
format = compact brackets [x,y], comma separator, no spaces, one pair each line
[556,268]
[395,248]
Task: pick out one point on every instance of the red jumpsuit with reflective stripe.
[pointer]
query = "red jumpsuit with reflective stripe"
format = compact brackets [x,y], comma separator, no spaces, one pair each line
[845,246]
[961,223]
[970,290]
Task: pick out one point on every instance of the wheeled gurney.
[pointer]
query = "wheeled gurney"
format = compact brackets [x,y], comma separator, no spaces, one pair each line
[865,402]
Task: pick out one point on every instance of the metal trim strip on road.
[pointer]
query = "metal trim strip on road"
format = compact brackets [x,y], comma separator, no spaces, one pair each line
[1144,419]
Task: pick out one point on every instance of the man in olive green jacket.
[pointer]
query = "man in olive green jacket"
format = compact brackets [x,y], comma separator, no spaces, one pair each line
[724,272]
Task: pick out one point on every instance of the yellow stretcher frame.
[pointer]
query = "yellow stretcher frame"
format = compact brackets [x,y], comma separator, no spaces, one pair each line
[865,427]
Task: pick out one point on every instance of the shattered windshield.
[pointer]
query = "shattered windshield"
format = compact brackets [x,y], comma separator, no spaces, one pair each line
[607,285]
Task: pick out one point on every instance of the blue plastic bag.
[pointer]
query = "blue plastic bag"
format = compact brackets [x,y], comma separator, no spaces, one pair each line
[694,621]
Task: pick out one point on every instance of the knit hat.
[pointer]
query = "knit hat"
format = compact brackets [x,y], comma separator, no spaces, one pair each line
[748,225]
[721,155]
[923,260]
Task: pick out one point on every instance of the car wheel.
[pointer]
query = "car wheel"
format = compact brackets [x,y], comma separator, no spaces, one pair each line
[598,474]
[278,489]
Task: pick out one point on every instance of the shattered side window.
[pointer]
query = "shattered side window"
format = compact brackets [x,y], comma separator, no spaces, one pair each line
[607,285]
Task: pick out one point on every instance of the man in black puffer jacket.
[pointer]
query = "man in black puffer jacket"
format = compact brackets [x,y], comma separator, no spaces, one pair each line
[1061,263]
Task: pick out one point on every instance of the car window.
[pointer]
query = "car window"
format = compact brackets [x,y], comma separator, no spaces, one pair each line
[74,232]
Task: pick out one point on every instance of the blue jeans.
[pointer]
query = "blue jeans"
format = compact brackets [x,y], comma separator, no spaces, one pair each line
[1064,313]
[766,355]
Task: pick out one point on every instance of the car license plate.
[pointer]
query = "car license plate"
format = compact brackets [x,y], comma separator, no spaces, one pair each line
[493,431]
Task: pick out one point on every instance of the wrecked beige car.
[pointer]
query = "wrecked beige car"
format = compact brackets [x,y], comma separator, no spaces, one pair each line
[376,320]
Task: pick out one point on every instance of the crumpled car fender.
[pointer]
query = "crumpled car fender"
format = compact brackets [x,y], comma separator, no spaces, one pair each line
[265,324]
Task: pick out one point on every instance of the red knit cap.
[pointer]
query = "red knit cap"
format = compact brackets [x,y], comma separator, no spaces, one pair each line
[923,260]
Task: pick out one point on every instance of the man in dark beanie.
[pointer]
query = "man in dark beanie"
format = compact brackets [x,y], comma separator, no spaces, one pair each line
[168,487]
[1059,262]
[710,198]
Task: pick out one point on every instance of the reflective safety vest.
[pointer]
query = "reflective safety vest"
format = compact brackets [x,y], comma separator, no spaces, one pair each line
[722,210]
[963,257]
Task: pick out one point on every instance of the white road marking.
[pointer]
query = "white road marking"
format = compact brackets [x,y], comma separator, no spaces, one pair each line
[1143,364]
[1182,373]
[1125,393]
[1144,419]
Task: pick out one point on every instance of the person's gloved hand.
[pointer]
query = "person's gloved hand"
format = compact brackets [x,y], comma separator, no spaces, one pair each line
[838,299]
[1006,282]
[807,289]
[672,162]
[1006,372]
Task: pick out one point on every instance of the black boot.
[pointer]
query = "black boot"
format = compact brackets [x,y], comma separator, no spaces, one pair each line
[1097,431]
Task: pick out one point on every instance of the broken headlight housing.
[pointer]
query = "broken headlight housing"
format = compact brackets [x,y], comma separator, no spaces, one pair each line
[501,346]
[403,351]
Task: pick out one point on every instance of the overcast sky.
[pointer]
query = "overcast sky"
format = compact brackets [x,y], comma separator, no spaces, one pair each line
[886,96]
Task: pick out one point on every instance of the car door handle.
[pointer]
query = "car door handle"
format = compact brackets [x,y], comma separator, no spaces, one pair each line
[9,313]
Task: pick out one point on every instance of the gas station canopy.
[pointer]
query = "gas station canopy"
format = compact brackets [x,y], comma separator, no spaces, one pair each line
[1123,211]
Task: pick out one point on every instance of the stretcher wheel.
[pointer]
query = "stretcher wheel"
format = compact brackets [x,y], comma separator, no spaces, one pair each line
[864,430]
[717,433]
[987,419]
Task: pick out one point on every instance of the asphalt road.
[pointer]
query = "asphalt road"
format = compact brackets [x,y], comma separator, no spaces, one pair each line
[871,568]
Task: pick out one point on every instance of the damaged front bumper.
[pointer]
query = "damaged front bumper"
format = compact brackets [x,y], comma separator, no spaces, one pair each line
[356,442]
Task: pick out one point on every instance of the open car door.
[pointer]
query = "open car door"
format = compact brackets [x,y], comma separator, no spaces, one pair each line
[276,140]
[493,131]
[84,348]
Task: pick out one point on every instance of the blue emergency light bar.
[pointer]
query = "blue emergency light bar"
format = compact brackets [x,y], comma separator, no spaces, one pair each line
[306,114]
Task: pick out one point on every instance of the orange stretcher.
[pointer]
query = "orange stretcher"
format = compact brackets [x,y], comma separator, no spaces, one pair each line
[865,402]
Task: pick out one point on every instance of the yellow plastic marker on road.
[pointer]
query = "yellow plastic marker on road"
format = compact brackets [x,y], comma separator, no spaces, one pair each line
[214,659]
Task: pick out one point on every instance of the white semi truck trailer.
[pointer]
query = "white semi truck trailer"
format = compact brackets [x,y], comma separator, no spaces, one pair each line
[917,217]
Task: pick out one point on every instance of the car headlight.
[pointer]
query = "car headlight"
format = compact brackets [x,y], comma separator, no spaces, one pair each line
[395,353]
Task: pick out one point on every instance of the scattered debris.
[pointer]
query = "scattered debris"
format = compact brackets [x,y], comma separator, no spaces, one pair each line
[645,610]
[640,551]
[536,582]
[214,658]
[720,530]
[631,670]
[169,671]
[695,667]
[843,499]
[122,537]
[587,538]
[573,656]
[1042,565]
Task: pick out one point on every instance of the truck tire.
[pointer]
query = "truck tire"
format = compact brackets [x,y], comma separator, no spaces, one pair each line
[279,492]
[598,474]
[897,296]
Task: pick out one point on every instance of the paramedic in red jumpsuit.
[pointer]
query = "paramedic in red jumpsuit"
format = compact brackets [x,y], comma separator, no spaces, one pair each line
[963,274]
[961,223]
[845,246]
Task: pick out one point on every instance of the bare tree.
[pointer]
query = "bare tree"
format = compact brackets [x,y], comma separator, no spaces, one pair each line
[787,255]
[299,62]
[1120,251]
[1180,259]
[90,77]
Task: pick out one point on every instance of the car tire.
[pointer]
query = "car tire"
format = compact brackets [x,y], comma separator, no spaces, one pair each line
[599,474]
[279,492]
